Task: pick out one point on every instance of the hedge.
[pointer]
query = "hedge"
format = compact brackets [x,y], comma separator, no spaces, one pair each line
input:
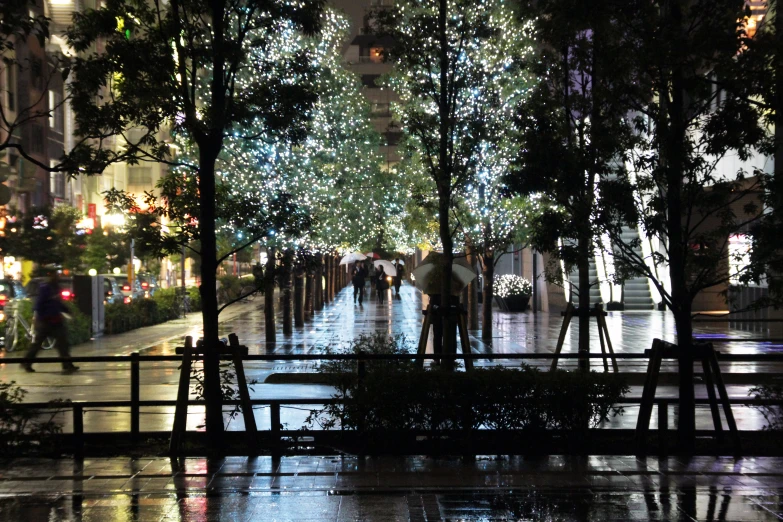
[399,395]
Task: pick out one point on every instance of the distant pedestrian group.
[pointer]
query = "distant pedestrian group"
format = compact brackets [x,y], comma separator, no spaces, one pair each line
[380,280]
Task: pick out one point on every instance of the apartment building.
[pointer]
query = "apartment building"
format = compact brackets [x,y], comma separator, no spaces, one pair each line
[36,87]
[363,55]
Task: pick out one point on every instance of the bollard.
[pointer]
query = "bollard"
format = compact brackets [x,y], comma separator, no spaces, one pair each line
[78,429]
[663,427]
[135,396]
[274,413]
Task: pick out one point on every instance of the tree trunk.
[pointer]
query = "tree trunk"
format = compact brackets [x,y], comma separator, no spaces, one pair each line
[443,179]
[473,316]
[269,297]
[584,302]
[333,279]
[327,273]
[286,290]
[778,108]
[212,392]
[308,296]
[318,294]
[488,293]
[299,297]
[674,141]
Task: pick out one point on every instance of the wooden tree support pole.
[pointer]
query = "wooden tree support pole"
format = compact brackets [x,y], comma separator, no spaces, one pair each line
[425,332]
[568,314]
[183,391]
[712,379]
[603,336]
[244,394]
[464,338]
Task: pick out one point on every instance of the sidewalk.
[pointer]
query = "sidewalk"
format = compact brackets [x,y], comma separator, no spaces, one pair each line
[415,489]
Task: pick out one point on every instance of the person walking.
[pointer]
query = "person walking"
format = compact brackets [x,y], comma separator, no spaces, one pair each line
[381,284]
[398,278]
[358,283]
[50,322]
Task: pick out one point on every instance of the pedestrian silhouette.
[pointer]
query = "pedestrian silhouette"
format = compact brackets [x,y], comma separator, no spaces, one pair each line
[49,321]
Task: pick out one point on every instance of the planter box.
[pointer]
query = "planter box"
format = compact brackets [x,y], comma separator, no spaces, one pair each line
[517,303]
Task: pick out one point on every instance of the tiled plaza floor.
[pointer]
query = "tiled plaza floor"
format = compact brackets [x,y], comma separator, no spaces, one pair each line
[412,489]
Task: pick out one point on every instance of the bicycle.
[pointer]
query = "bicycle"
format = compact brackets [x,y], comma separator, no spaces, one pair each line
[12,332]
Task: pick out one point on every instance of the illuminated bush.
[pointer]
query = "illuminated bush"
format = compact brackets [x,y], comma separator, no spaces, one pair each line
[510,285]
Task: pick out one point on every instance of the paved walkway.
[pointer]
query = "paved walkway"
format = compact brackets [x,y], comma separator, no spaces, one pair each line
[337,324]
[412,489]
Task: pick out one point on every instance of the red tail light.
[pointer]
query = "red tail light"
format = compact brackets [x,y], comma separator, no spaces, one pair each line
[144,285]
[66,294]
[126,288]
[126,300]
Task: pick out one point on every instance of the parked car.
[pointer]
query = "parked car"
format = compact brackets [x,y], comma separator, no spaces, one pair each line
[129,293]
[10,289]
[66,287]
[149,284]
[112,291]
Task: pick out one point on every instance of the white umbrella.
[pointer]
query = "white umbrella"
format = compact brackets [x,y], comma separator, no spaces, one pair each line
[352,258]
[427,278]
[399,262]
[389,268]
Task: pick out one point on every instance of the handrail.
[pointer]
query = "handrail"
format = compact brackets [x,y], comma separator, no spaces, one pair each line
[322,401]
[729,357]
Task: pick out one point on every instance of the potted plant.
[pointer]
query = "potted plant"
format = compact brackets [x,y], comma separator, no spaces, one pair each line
[514,290]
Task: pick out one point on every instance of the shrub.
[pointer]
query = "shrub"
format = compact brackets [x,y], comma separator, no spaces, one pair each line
[195,298]
[233,287]
[121,317]
[773,413]
[169,303]
[20,429]
[79,326]
[399,395]
[509,285]
[230,288]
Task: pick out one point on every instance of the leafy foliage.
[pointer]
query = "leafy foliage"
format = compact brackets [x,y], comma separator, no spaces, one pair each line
[773,413]
[46,236]
[24,430]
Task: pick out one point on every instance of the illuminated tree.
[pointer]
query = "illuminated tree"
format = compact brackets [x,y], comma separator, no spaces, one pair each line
[203,70]
[449,58]
[334,175]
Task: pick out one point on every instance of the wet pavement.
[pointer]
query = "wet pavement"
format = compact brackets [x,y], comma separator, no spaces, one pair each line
[343,320]
[415,489]
[418,489]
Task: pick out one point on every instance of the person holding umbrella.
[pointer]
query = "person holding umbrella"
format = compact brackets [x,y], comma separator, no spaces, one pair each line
[398,278]
[381,285]
[358,283]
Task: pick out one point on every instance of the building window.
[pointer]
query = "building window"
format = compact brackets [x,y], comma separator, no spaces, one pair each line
[36,73]
[368,80]
[56,111]
[36,139]
[140,177]
[380,109]
[10,86]
[57,184]
[739,257]
[371,55]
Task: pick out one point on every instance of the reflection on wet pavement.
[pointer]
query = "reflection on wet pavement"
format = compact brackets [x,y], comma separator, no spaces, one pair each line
[392,489]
